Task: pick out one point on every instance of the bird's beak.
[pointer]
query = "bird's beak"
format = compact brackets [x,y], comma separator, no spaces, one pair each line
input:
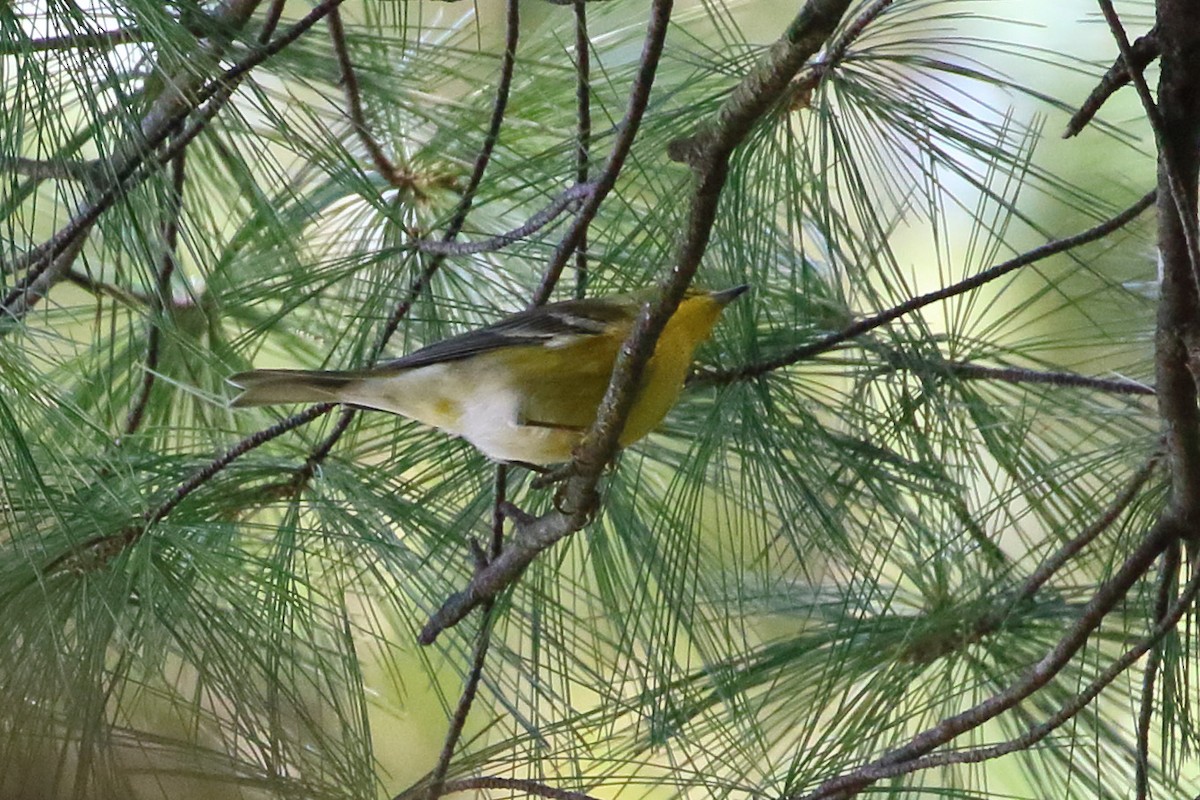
[726,296]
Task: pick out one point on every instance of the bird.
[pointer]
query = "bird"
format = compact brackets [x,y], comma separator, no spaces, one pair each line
[524,389]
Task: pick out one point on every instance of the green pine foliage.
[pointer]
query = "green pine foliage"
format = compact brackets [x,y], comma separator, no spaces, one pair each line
[798,572]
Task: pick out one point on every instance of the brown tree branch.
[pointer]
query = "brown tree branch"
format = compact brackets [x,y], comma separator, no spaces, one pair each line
[757,93]
[354,107]
[994,619]
[854,330]
[1177,340]
[46,263]
[1145,49]
[583,134]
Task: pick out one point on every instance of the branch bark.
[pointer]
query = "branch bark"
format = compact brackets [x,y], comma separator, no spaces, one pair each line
[1178,335]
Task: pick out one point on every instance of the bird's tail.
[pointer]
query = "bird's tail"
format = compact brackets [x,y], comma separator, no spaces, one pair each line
[262,387]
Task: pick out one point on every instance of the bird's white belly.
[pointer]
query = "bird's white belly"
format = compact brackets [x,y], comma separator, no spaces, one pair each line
[481,406]
[492,421]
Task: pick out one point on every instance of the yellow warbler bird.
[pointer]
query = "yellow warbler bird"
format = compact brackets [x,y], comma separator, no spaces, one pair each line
[524,389]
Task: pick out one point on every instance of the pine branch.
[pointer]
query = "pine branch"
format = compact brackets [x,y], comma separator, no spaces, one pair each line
[749,371]
[1145,49]
[1178,328]
[583,134]
[882,771]
[453,229]
[137,157]
[1046,570]
[1103,601]
[577,498]
[99,551]
[635,110]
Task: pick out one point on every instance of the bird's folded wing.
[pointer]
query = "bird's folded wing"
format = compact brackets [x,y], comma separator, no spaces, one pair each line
[553,326]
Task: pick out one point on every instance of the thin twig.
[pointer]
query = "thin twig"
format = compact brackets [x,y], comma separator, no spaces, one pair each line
[1104,600]
[354,107]
[161,299]
[82,171]
[877,772]
[635,109]
[73,41]
[1167,576]
[1051,377]
[485,782]
[99,288]
[482,640]
[583,133]
[1145,49]
[271,21]
[1060,557]
[758,92]
[826,343]
[498,242]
